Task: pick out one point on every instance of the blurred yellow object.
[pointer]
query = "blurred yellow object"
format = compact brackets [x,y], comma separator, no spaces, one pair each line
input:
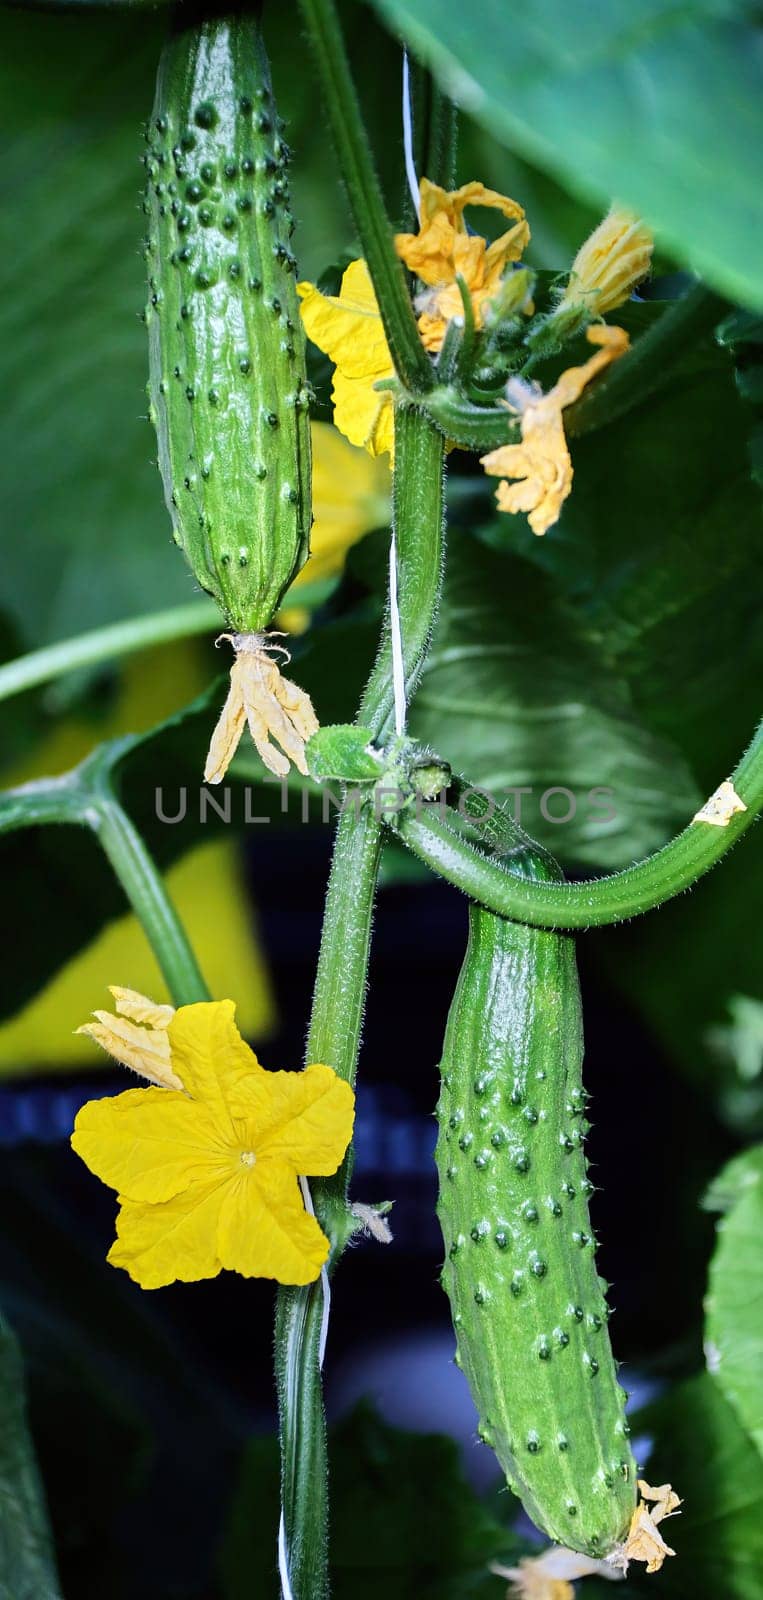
[351,495]
[206,887]
[207,890]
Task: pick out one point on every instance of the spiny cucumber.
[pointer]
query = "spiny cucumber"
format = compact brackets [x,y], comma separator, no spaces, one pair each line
[528,1307]
[227,388]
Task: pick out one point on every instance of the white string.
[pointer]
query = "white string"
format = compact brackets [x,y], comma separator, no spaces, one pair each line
[283,1558]
[398,667]
[410,165]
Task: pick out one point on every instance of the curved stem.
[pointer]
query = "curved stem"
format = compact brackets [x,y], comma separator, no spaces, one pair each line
[356,162]
[106,644]
[598,901]
[144,887]
[339,1000]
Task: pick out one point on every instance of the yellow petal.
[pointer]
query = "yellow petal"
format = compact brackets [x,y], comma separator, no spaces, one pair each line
[145,1050]
[348,326]
[303,1119]
[227,733]
[362,414]
[139,1008]
[613,260]
[148,1144]
[542,462]
[264,1230]
[440,249]
[210,1055]
[176,1241]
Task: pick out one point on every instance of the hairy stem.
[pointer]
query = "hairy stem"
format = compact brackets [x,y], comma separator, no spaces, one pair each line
[365,196]
[338,1002]
[598,901]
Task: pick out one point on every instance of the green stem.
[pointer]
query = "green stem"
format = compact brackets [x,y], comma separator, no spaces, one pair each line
[365,196]
[144,887]
[85,797]
[339,998]
[598,901]
[418,513]
[106,644]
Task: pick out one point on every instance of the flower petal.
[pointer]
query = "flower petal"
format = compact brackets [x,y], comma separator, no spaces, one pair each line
[303,1119]
[148,1144]
[209,1054]
[264,1230]
[362,414]
[177,1241]
[348,326]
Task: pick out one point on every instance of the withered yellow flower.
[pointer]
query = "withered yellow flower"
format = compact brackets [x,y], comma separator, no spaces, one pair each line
[541,463]
[268,703]
[443,250]
[724,804]
[206,1162]
[348,328]
[644,1541]
[549,1576]
[607,268]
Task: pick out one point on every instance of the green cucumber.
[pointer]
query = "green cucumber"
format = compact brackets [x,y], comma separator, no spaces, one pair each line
[528,1308]
[227,389]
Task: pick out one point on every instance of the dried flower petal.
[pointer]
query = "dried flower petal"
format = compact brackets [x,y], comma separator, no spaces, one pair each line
[269,703]
[721,807]
[541,463]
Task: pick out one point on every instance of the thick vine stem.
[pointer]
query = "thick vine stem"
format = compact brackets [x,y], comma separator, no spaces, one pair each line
[98,645]
[356,162]
[598,901]
[339,997]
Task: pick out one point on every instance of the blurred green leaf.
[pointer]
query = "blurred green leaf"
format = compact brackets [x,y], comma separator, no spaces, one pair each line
[518,691]
[734,1304]
[718,1538]
[404,1522]
[656,102]
[27,1565]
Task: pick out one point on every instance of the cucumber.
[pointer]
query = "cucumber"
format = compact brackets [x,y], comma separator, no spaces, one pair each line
[227,389]
[528,1308]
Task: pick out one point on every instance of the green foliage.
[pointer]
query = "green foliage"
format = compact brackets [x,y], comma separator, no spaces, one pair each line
[734,1325]
[340,751]
[27,1568]
[404,1521]
[654,101]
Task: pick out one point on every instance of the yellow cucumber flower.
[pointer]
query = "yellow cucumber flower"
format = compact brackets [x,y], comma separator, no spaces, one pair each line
[610,264]
[206,1161]
[443,250]
[542,462]
[348,328]
[271,706]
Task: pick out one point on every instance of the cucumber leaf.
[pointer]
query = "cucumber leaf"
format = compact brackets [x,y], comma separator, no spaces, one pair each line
[734,1304]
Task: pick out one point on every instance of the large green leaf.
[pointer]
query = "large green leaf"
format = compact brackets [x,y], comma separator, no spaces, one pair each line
[517,691]
[734,1304]
[718,1537]
[654,101]
[27,1566]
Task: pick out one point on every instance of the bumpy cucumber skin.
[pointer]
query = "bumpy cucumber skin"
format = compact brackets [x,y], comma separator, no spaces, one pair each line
[528,1307]
[227,388]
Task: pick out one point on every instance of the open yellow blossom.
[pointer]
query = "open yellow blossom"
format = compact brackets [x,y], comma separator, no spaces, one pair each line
[348,328]
[206,1161]
[265,701]
[443,250]
[607,268]
[541,463]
